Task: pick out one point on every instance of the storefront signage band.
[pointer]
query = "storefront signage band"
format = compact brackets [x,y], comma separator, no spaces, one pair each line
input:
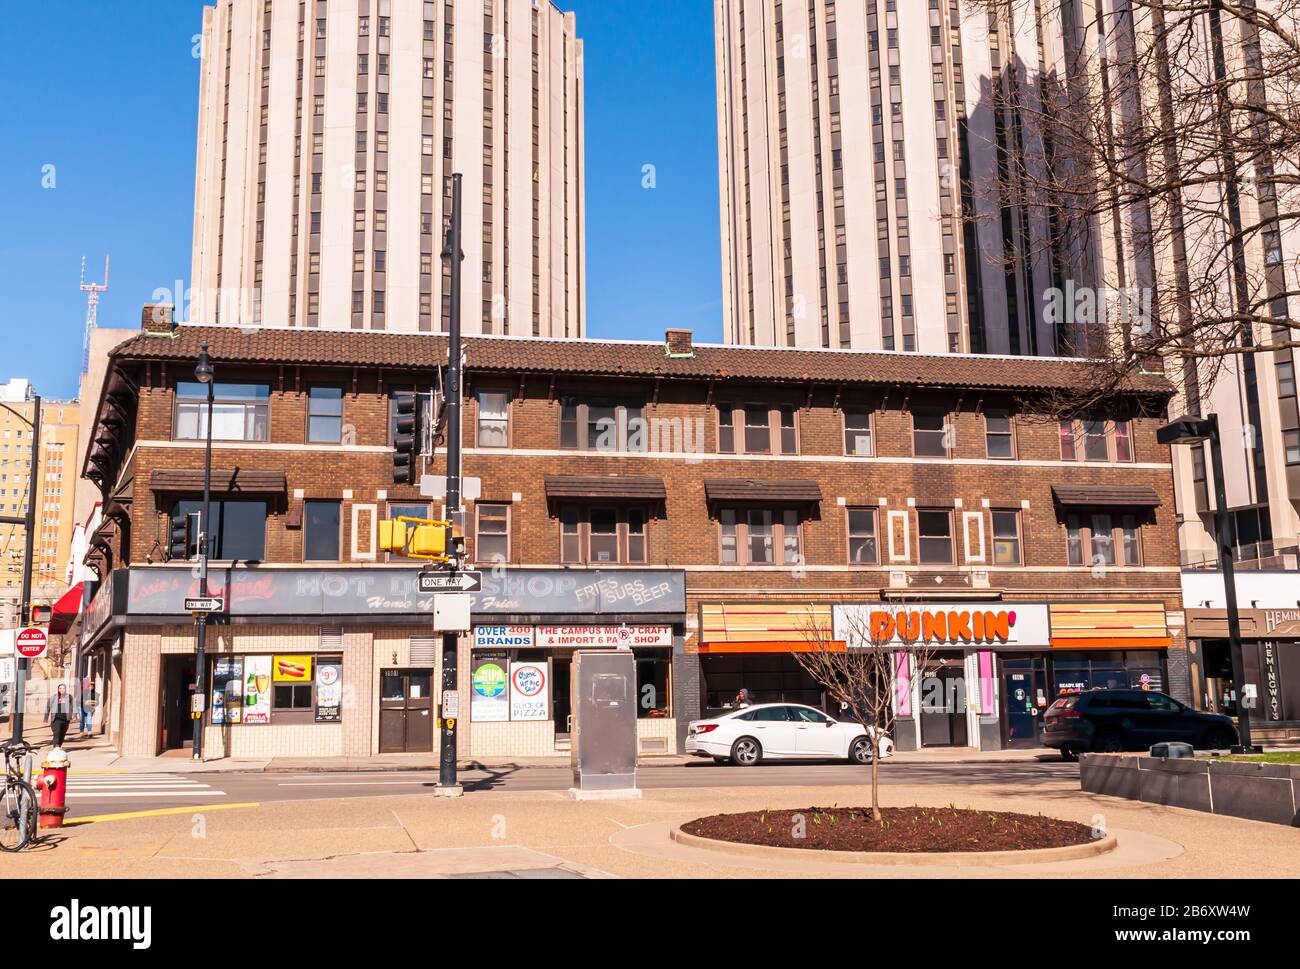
[943,625]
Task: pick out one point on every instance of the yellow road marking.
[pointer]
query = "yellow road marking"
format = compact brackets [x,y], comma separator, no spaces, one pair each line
[195,809]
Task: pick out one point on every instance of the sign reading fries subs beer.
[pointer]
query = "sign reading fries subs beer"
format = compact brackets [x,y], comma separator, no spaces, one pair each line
[291,669]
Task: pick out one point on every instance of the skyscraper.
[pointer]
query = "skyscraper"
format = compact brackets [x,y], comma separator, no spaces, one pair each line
[328,134]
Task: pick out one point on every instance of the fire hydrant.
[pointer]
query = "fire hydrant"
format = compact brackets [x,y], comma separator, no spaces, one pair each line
[54,789]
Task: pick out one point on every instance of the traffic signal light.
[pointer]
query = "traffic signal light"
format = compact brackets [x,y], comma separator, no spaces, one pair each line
[416,538]
[408,427]
[41,614]
[178,546]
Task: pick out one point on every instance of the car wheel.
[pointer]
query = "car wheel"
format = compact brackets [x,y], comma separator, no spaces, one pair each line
[746,752]
[1109,743]
[1070,754]
[860,752]
[1220,739]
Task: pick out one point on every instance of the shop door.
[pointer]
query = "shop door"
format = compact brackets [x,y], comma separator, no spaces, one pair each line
[943,721]
[405,711]
[561,699]
[1020,690]
[175,728]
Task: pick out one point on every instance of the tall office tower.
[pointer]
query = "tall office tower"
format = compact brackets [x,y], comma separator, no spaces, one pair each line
[866,201]
[328,134]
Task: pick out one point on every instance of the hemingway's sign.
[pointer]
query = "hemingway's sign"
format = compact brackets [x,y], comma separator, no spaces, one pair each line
[958,624]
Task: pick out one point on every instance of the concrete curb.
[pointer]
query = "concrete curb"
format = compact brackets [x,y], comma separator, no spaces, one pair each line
[960,859]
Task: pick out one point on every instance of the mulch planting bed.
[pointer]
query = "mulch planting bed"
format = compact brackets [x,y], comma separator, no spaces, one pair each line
[908,830]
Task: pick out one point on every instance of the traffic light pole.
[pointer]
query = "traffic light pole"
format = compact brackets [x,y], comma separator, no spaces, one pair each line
[447,783]
[201,630]
[29,523]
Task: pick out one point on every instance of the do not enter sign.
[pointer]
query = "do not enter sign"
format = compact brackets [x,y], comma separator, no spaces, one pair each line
[31,643]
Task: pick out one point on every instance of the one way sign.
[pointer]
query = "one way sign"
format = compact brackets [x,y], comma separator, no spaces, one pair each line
[431,582]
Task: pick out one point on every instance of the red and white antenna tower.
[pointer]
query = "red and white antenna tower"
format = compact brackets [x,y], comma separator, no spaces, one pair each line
[92,309]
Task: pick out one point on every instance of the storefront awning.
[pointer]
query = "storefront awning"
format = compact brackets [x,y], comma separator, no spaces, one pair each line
[66,610]
[224,480]
[1108,625]
[749,489]
[1106,496]
[608,488]
[751,627]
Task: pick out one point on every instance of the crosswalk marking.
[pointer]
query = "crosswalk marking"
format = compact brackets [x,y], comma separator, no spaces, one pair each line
[151,785]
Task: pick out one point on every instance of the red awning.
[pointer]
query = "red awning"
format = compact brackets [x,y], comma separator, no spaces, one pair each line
[66,611]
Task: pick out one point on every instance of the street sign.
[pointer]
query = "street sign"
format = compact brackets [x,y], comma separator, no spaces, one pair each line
[435,486]
[431,582]
[203,605]
[451,704]
[31,643]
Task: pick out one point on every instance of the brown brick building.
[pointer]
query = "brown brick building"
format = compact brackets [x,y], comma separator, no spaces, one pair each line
[701,502]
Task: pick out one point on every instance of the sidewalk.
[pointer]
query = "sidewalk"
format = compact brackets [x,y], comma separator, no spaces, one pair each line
[545,834]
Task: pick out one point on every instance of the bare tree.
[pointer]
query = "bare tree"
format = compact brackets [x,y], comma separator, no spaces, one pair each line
[1157,148]
[867,663]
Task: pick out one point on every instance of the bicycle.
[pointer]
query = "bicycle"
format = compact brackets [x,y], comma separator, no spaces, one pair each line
[18,803]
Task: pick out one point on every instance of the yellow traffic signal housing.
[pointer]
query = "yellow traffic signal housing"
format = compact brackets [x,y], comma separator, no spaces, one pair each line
[416,538]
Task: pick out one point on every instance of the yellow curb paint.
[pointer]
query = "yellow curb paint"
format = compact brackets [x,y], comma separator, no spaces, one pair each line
[195,809]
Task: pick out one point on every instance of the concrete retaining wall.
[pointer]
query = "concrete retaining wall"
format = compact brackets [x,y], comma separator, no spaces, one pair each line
[1260,792]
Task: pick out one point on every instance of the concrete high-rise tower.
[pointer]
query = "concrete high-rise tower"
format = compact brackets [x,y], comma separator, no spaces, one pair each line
[328,134]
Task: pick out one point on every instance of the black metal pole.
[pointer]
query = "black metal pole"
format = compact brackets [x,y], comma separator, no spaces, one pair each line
[201,633]
[25,615]
[1223,535]
[454,389]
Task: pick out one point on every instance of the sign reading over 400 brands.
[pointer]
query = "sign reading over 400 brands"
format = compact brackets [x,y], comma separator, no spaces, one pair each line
[593,637]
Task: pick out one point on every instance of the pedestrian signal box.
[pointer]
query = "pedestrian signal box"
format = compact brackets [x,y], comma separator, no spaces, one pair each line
[417,538]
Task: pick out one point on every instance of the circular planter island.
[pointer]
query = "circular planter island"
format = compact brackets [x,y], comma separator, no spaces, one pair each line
[904,836]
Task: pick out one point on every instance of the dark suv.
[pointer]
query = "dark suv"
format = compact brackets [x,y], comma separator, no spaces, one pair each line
[1116,720]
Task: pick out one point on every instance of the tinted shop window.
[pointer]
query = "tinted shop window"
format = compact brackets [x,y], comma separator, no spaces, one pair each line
[325,415]
[652,687]
[291,696]
[321,525]
[238,530]
[239,411]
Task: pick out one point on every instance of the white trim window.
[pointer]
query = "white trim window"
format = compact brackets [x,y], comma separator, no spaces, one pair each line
[240,412]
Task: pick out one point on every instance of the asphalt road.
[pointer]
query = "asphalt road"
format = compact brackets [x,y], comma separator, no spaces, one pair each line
[93,795]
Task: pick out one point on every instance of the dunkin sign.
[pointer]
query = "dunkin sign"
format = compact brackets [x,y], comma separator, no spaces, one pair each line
[943,625]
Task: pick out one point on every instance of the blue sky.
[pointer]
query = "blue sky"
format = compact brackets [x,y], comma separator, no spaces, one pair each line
[97,156]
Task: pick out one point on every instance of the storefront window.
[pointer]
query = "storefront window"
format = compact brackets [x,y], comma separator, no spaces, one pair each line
[652,686]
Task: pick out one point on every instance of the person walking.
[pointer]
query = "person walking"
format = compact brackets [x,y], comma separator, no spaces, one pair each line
[59,712]
[88,703]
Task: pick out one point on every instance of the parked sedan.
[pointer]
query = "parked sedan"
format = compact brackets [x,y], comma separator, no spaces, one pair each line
[781,731]
[1116,720]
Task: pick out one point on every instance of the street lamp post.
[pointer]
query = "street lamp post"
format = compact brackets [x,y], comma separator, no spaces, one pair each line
[203,373]
[1190,430]
[28,521]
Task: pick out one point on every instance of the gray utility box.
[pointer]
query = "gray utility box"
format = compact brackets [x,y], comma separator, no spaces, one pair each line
[604,720]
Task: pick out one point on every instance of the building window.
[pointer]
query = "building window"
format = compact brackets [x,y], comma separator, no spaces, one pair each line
[858,440]
[602,535]
[935,531]
[237,531]
[1006,538]
[999,435]
[492,533]
[1291,442]
[930,434]
[322,521]
[1109,539]
[757,429]
[753,536]
[1094,439]
[493,419]
[862,536]
[602,425]
[325,415]
[239,412]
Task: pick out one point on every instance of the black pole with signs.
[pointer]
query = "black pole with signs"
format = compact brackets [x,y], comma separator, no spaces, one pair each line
[205,374]
[453,254]
[28,521]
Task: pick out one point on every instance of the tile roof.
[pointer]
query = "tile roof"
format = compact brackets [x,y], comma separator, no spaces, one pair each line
[223,480]
[595,486]
[1104,496]
[410,351]
[751,489]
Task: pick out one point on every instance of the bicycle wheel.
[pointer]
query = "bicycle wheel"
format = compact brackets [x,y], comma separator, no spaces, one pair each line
[17,815]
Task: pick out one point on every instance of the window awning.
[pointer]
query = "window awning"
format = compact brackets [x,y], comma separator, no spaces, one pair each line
[66,610]
[224,480]
[1106,496]
[615,488]
[751,490]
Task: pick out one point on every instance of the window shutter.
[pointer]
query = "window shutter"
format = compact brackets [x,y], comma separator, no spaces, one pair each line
[423,650]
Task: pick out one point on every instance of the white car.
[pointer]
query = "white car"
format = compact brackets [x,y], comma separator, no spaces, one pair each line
[781,731]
